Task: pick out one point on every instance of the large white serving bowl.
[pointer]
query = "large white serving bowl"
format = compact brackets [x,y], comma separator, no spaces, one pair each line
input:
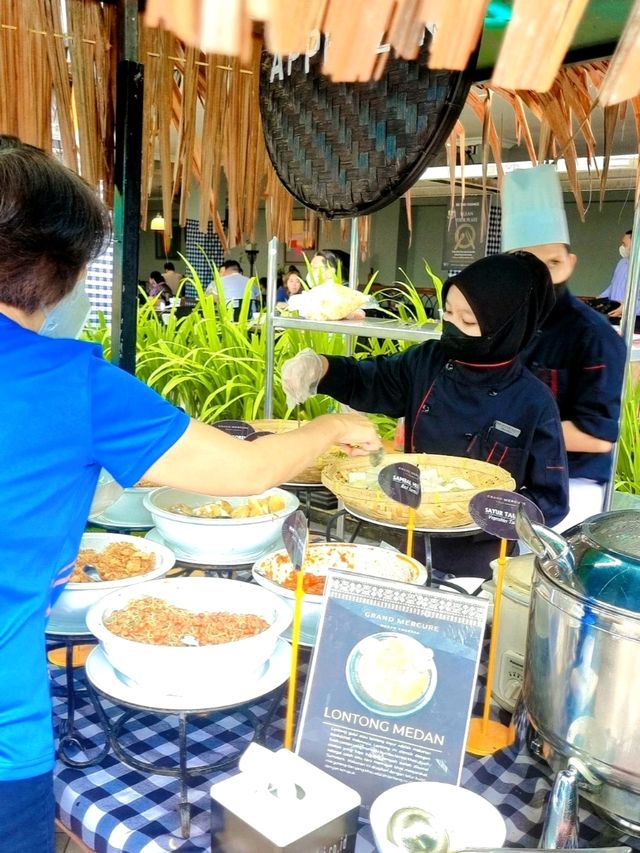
[178,670]
[217,540]
[469,819]
[69,612]
[271,570]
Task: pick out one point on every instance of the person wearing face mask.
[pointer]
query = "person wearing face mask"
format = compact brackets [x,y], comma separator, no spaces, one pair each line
[576,352]
[68,414]
[618,284]
[467,394]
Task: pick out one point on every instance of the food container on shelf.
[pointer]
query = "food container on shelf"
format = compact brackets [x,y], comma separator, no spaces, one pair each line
[274,569]
[178,670]
[514,618]
[469,819]
[311,476]
[217,540]
[448,484]
[69,612]
[582,665]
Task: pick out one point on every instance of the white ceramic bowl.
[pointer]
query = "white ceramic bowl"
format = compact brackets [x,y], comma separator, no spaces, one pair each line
[177,670]
[371,560]
[217,540]
[129,510]
[470,820]
[69,612]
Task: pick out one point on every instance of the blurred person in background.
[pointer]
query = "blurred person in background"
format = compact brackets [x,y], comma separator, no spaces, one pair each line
[618,284]
[576,352]
[172,277]
[72,414]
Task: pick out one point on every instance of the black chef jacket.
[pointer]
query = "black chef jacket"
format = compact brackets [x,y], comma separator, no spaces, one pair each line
[500,414]
[579,356]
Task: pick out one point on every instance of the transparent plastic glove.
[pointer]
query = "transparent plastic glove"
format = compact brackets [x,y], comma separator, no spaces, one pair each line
[300,376]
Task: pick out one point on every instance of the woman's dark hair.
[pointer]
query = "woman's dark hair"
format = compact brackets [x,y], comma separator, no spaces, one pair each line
[51,225]
[337,260]
[157,276]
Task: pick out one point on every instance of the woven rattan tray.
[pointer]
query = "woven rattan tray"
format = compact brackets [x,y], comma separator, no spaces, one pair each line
[310,476]
[438,509]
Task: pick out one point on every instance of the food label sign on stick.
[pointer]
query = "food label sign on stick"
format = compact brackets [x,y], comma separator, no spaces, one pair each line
[401,482]
[391,683]
[238,429]
[258,434]
[494,511]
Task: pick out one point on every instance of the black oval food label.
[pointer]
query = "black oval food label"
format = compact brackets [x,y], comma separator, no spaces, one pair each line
[494,511]
[238,429]
[401,482]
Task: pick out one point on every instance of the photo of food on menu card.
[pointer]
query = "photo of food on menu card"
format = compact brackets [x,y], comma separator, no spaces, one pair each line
[391,683]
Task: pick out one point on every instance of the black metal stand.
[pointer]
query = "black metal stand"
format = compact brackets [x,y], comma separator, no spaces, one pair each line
[116,729]
[70,739]
[212,570]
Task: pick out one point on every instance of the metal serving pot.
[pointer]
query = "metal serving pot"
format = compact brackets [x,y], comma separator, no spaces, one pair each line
[582,666]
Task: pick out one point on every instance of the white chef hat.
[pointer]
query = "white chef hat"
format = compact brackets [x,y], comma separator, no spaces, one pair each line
[532,209]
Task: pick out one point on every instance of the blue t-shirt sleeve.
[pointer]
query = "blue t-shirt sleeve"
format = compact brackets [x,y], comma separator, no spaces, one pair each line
[132,425]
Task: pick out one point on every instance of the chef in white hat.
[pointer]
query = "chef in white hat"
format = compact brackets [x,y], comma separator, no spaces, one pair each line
[576,352]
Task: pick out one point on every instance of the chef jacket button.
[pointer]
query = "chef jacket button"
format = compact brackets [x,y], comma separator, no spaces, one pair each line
[493,393]
[426,408]
[448,365]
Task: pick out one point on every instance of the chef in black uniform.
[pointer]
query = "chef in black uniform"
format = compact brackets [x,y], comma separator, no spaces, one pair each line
[576,352]
[467,394]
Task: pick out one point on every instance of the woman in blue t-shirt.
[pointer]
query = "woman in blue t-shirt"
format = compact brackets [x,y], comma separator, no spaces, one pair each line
[67,413]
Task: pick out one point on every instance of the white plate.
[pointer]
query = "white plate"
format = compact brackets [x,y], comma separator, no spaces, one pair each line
[64,629]
[216,696]
[307,641]
[154,535]
[470,820]
[108,523]
[463,530]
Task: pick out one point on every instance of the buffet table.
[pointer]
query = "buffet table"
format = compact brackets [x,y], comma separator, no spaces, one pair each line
[112,807]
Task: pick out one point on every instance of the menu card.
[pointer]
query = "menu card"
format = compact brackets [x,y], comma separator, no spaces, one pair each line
[391,683]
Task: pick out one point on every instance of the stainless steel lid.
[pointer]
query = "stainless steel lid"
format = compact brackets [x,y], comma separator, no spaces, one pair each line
[616,532]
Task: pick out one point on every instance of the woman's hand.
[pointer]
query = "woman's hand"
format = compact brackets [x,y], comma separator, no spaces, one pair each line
[357,436]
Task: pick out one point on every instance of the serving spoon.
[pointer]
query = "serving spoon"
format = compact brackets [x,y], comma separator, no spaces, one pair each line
[91,572]
[415,830]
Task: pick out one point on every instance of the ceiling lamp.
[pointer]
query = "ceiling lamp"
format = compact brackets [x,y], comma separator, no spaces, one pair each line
[157,223]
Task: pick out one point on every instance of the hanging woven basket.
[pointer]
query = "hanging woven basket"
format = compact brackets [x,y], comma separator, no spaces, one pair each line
[347,149]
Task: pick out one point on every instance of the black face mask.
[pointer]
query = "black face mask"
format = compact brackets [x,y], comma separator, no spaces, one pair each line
[462,347]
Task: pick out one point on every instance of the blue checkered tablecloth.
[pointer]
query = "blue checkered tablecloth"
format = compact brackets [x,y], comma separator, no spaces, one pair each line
[112,807]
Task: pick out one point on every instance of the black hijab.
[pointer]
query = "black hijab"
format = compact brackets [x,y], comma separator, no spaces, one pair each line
[510,295]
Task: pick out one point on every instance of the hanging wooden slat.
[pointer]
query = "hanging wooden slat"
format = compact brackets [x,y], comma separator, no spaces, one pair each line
[458,26]
[214,98]
[183,166]
[535,43]
[622,80]
[356,32]
[166,48]
[51,23]
[406,29]
[288,23]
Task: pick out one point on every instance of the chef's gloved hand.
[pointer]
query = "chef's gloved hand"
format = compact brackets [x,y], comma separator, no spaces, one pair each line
[300,376]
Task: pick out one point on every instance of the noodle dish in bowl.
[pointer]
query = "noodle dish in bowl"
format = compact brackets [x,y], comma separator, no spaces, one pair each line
[176,634]
[221,530]
[120,561]
[275,572]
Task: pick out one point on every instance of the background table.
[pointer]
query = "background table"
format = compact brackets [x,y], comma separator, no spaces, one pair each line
[112,807]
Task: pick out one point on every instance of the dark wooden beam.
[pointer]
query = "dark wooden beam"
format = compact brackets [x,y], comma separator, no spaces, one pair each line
[126,206]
